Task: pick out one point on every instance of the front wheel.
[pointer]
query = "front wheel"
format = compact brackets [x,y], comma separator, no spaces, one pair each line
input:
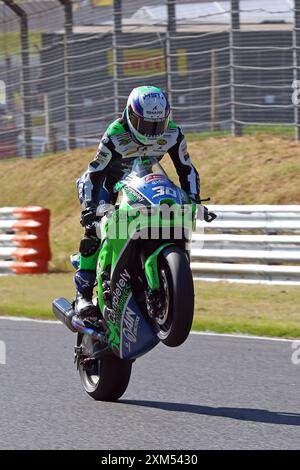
[175,319]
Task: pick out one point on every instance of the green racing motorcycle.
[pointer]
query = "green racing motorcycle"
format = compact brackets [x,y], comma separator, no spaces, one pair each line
[144,281]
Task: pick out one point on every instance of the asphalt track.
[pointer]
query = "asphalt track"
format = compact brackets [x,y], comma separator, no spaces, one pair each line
[214,392]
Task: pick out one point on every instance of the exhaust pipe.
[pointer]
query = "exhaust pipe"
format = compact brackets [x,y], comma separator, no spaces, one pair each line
[64,312]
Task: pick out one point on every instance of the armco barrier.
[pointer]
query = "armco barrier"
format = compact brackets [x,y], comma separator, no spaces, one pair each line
[269,253]
[24,240]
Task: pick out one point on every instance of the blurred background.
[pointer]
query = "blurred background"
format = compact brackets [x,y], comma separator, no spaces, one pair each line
[68,66]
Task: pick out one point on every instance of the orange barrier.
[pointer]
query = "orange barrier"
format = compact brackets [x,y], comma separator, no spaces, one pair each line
[24,240]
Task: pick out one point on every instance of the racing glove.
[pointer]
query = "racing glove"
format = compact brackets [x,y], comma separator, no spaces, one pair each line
[88,215]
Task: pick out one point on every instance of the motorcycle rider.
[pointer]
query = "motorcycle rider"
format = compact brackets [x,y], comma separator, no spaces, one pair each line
[144,129]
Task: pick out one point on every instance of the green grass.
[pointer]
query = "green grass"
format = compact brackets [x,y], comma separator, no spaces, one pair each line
[254,130]
[254,309]
[31,296]
[275,130]
[192,136]
[220,307]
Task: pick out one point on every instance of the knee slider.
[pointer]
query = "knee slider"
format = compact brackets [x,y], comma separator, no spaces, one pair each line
[88,246]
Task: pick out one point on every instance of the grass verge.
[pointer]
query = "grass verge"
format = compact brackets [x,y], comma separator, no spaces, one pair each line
[270,130]
[220,307]
[260,169]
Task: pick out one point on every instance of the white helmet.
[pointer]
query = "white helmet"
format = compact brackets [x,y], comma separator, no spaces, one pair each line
[147,113]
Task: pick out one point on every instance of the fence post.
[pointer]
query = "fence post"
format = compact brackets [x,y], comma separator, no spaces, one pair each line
[47,121]
[117,58]
[236,128]
[25,80]
[68,36]
[171,29]
[8,64]
[213,93]
[296,62]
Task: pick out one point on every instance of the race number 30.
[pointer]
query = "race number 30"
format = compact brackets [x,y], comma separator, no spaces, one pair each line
[163,191]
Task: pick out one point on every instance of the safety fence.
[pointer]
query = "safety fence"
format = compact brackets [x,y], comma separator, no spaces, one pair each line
[24,240]
[259,243]
[226,65]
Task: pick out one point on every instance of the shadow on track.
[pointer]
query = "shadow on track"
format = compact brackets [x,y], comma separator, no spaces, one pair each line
[242,414]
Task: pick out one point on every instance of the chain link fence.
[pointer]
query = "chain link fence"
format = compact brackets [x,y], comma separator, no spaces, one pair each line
[67,67]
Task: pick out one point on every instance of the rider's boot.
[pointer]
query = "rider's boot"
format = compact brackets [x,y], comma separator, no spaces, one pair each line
[85,277]
[85,280]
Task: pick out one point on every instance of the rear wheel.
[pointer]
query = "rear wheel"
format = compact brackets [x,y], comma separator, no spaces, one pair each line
[105,379]
[175,318]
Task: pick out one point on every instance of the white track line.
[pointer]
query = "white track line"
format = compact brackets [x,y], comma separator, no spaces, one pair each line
[242,336]
[32,320]
[202,333]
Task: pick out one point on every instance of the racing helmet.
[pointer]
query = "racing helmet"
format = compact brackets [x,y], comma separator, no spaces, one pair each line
[147,114]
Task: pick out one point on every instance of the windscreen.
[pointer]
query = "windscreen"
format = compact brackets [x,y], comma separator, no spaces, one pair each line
[138,167]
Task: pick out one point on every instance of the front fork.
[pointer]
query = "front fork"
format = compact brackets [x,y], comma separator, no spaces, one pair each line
[153,293]
[151,267]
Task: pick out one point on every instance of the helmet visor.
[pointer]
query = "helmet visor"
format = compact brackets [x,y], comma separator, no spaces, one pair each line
[148,127]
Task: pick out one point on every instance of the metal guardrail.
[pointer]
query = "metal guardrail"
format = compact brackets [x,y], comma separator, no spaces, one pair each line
[270,258]
[257,257]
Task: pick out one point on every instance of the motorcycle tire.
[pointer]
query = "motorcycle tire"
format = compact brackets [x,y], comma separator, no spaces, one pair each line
[107,379]
[174,321]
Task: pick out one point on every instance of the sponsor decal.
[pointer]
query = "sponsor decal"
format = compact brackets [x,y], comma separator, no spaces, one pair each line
[142,62]
[103,154]
[102,3]
[115,314]
[113,338]
[101,160]
[128,152]
[142,149]
[154,177]
[124,140]
[162,141]
[94,164]
[119,290]
[130,327]
[119,298]
[154,113]
[153,95]
[133,195]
